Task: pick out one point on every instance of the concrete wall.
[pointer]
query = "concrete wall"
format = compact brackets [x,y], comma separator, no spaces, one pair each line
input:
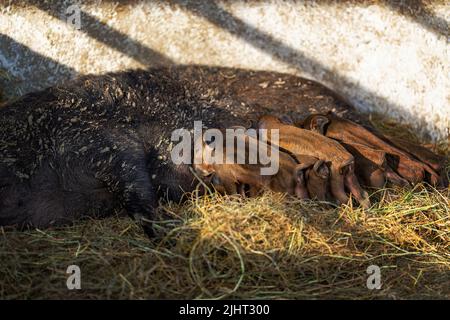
[387,56]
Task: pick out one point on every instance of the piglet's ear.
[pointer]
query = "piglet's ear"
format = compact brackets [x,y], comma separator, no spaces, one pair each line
[318,123]
[302,167]
[321,169]
[204,170]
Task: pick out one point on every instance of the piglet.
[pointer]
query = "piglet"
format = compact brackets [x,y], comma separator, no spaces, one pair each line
[300,141]
[246,178]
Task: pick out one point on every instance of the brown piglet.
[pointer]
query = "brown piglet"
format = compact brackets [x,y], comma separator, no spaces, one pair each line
[229,177]
[300,141]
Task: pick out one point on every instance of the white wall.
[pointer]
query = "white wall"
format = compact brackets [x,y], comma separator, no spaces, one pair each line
[380,56]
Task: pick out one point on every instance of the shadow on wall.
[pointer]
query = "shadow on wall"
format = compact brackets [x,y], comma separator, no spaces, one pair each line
[419,12]
[13,74]
[114,39]
[265,42]
[215,14]
[416,10]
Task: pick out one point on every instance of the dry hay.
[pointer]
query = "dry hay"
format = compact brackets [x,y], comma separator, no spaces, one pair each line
[270,247]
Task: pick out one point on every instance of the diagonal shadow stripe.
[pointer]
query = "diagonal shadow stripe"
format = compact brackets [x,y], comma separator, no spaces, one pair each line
[418,11]
[221,18]
[16,73]
[100,31]
[218,16]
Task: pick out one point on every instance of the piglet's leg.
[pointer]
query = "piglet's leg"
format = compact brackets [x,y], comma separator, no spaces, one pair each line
[351,182]
[394,178]
[337,186]
[369,164]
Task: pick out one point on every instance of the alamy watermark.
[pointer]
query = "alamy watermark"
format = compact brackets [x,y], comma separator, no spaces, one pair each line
[73,15]
[374,279]
[74,279]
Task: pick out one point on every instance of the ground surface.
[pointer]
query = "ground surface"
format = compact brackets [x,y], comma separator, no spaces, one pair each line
[226,247]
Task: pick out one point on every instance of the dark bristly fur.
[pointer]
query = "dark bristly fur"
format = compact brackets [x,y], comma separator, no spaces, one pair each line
[89,146]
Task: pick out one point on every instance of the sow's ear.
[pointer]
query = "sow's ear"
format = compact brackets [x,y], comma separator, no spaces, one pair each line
[285,119]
